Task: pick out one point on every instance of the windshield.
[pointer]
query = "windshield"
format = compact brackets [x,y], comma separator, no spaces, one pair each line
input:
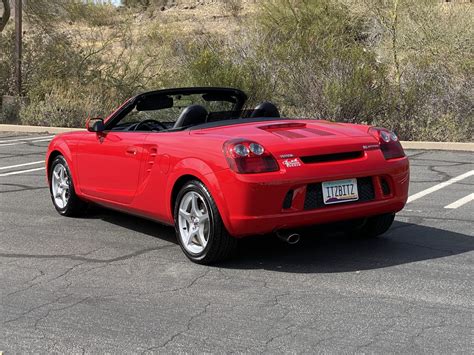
[180,102]
[161,110]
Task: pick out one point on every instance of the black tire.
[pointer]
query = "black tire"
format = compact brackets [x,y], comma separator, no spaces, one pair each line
[375,226]
[220,243]
[74,206]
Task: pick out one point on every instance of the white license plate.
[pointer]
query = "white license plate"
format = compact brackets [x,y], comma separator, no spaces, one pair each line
[340,191]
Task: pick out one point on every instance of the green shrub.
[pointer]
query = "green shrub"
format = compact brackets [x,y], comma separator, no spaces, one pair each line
[428,48]
[65,81]
[93,14]
[210,64]
[321,70]
[63,107]
[6,60]
[47,13]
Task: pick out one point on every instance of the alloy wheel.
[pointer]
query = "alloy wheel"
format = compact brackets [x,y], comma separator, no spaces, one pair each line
[60,185]
[193,222]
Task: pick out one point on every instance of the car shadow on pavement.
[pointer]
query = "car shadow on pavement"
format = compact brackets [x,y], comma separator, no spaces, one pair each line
[137,224]
[404,243]
[320,252]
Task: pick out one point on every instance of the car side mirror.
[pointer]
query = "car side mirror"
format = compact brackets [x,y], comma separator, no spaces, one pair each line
[95,124]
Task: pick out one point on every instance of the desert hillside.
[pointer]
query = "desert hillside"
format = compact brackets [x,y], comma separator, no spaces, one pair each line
[402,64]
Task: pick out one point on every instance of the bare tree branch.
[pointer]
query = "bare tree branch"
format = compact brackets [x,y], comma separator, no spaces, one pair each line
[6,14]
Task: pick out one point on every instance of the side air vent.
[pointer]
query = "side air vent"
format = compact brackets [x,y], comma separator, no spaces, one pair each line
[385,186]
[288,200]
[313,159]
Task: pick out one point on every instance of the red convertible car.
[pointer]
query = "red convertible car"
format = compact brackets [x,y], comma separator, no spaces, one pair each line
[198,159]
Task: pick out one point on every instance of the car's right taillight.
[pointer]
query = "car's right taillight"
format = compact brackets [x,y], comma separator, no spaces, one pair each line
[248,157]
[389,143]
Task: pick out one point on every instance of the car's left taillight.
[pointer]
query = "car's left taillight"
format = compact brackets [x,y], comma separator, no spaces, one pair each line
[389,143]
[248,157]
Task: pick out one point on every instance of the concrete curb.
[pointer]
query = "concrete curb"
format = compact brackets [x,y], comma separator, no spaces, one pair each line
[36,129]
[468,147]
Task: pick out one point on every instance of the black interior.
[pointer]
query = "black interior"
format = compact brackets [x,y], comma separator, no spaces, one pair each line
[265,109]
[191,116]
[140,113]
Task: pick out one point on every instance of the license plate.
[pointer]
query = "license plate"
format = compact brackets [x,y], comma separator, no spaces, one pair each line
[340,191]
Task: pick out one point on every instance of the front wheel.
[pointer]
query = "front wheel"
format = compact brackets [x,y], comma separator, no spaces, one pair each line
[199,227]
[62,190]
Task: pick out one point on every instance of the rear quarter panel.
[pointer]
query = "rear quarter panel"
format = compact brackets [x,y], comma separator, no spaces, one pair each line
[178,154]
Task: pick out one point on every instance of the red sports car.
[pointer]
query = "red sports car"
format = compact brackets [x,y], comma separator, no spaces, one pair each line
[197,159]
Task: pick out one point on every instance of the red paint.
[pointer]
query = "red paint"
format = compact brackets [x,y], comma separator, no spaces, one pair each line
[136,172]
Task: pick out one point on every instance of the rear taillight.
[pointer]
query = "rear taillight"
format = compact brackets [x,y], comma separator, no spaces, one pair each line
[389,143]
[247,157]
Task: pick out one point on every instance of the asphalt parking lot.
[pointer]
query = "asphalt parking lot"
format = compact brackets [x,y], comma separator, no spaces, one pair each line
[120,284]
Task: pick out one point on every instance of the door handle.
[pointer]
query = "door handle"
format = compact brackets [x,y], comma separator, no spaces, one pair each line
[131,151]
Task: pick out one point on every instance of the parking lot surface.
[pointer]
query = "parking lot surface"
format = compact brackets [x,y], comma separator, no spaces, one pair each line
[113,283]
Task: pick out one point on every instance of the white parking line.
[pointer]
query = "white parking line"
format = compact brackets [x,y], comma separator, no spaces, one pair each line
[17,143]
[26,139]
[21,171]
[439,186]
[460,202]
[42,140]
[18,165]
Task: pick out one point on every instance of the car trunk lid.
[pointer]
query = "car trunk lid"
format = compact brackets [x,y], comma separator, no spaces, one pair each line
[310,140]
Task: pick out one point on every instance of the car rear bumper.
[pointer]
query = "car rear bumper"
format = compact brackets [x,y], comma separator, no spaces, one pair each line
[291,198]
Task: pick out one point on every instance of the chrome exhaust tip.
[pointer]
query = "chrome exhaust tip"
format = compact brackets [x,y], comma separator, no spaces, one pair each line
[288,237]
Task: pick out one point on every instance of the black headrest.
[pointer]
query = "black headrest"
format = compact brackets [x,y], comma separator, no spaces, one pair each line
[265,109]
[191,116]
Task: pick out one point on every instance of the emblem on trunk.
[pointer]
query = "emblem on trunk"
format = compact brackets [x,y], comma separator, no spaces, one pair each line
[292,163]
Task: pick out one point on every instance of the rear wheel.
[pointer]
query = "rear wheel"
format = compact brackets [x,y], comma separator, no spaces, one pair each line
[62,190]
[375,226]
[199,227]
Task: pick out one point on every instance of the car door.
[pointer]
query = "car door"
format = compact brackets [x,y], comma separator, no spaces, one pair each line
[108,164]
